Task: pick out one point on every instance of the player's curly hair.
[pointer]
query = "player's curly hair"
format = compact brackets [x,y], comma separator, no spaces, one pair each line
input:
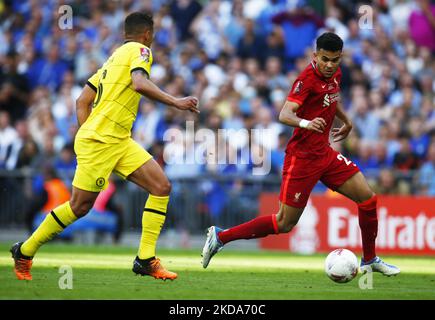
[136,22]
[329,41]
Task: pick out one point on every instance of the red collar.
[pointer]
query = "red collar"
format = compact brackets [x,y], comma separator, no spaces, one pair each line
[317,72]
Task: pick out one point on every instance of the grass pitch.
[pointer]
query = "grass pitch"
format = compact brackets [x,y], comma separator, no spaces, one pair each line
[104,272]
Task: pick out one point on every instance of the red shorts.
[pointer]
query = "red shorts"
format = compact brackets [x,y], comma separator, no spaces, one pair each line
[300,175]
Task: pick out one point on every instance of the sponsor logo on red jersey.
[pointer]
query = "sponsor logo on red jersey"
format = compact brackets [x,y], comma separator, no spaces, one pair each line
[330,98]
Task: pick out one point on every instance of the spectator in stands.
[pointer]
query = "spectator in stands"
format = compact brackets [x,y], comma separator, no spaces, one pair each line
[364,159]
[422,24]
[14,90]
[425,81]
[267,129]
[275,78]
[388,184]
[145,127]
[70,51]
[277,155]
[64,109]
[406,95]
[216,192]
[427,173]
[85,59]
[380,156]
[298,23]
[22,152]
[165,34]
[65,163]
[275,47]
[41,123]
[49,192]
[419,138]
[184,12]
[428,113]
[264,19]
[47,71]
[406,160]
[391,133]
[7,135]
[207,30]
[250,44]
[366,123]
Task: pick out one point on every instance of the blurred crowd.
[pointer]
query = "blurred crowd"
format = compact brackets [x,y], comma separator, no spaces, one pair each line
[240,59]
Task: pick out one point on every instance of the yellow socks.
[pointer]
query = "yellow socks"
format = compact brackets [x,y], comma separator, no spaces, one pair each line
[53,224]
[153,218]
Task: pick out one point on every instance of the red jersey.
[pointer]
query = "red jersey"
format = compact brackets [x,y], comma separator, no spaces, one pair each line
[317,97]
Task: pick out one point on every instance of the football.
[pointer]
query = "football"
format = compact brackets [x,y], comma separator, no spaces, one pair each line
[341,265]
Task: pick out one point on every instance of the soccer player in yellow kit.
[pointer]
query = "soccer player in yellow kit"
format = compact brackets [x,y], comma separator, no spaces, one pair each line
[106,110]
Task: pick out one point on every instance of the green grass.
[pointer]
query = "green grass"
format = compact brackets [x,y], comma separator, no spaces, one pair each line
[101,272]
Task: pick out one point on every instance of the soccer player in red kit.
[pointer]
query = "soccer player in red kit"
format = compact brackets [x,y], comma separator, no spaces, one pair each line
[311,107]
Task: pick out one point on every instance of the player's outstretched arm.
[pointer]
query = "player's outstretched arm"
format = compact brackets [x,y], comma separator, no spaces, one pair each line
[341,133]
[84,104]
[288,116]
[146,87]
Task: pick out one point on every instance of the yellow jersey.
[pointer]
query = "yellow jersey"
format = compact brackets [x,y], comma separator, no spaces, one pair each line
[116,102]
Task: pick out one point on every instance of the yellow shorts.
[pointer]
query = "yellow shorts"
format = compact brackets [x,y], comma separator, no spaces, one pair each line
[96,160]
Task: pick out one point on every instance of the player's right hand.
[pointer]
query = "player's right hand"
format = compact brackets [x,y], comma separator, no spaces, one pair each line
[317,124]
[187,103]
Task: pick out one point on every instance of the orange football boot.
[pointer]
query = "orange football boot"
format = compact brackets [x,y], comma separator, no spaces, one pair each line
[23,264]
[152,268]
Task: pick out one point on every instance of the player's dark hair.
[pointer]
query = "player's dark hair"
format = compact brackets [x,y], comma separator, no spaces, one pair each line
[137,22]
[329,42]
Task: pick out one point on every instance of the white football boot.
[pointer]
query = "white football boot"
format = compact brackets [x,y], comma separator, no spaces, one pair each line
[377,265]
[212,245]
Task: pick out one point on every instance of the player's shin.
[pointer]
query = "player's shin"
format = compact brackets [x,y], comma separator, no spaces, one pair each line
[153,218]
[255,228]
[368,223]
[53,224]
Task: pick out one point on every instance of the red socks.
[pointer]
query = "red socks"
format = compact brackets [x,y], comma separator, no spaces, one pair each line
[265,225]
[368,223]
[255,228]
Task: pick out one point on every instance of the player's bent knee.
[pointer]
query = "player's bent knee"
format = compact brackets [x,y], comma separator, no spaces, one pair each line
[285,226]
[162,189]
[369,203]
[367,196]
[81,209]
[287,218]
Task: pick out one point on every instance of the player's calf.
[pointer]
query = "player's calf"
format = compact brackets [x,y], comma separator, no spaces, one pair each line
[287,218]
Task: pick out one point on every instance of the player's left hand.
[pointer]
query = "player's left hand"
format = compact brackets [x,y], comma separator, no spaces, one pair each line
[341,133]
[187,103]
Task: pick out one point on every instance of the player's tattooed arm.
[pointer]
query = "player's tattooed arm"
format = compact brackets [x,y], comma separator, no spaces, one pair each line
[288,116]
[146,87]
[84,104]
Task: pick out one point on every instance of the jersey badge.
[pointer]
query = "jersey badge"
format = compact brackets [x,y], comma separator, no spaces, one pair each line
[298,87]
[145,54]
